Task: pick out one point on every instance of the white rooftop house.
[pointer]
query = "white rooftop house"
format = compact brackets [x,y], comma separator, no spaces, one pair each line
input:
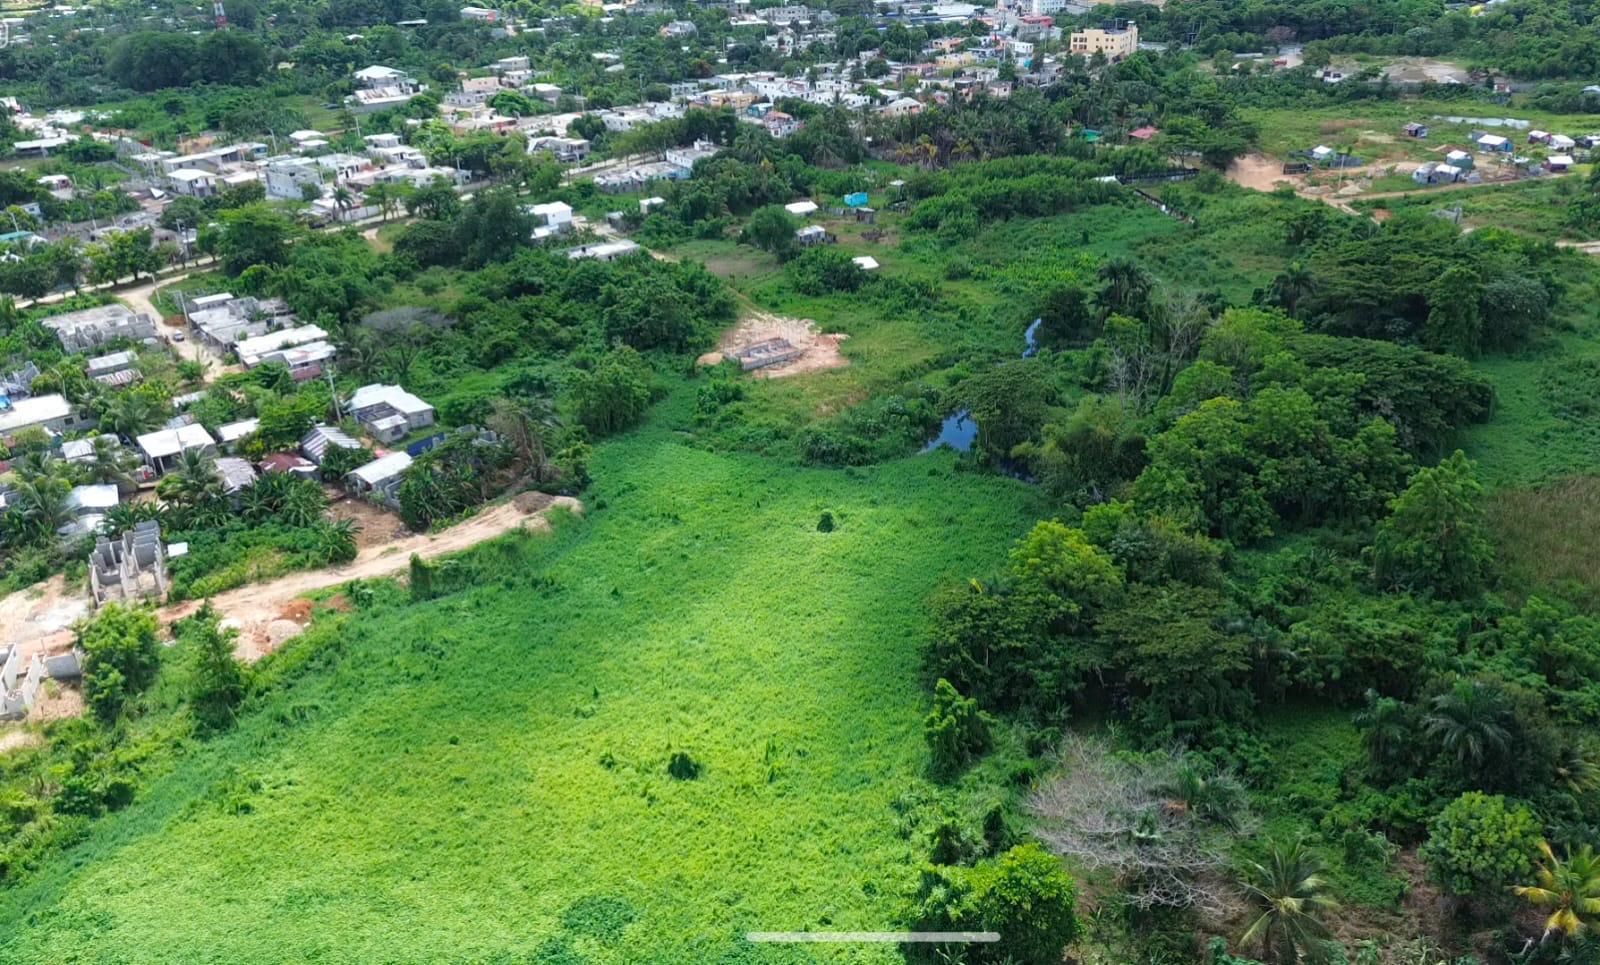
[162,448]
[88,506]
[380,76]
[382,476]
[257,349]
[389,412]
[801,209]
[604,251]
[866,262]
[554,218]
[52,413]
[234,431]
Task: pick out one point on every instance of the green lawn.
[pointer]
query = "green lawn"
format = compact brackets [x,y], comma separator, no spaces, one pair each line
[484,777]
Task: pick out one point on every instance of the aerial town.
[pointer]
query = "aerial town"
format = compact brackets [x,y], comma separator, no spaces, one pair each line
[1025,481]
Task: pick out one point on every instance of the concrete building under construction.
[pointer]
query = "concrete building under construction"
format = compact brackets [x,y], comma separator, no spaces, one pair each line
[132,566]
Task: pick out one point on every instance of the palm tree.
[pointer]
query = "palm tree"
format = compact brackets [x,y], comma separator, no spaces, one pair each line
[383,196]
[41,506]
[1387,729]
[336,541]
[527,427]
[110,464]
[1577,770]
[193,482]
[344,200]
[1291,287]
[1290,894]
[131,413]
[1569,890]
[1128,286]
[1469,723]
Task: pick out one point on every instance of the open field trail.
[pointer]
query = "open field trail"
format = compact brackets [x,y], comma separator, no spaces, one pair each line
[258,610]
[40,618]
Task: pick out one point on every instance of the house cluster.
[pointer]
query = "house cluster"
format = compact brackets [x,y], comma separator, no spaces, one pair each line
[1461,165]
[676,164]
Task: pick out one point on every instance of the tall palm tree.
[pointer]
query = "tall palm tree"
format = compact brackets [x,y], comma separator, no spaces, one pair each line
[1289,894]
[193,481]
[1291,287]
[1568,890]
[344,200]
[1469,722]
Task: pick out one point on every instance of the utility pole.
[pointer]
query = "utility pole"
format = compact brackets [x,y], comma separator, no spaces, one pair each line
[338,411]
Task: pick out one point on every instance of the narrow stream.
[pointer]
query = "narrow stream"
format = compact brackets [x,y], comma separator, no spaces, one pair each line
[960,430]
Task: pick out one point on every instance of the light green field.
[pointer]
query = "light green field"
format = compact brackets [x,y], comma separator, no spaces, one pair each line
[484,777]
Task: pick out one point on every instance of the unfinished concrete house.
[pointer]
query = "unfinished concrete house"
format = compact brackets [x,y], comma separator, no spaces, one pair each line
[19,687]
[131,566]
[21,682]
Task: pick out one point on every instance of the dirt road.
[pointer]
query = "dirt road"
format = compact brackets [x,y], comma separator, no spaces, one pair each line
[263,612]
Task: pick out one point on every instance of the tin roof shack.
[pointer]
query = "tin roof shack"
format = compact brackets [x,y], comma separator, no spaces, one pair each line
[236,474]
[162,448]
[131,566]
[298,466]
[319,439]
[90,328]
[773,351]
[302,350]
[380,478]
[88,506]
[115,370]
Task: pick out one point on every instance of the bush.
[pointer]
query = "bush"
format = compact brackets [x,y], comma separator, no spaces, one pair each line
[121,657]
[1480,844]
[956,731]
[1025,895]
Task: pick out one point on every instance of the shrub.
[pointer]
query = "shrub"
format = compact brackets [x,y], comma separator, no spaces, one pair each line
[1480,844]
[1025,895]
[956,730]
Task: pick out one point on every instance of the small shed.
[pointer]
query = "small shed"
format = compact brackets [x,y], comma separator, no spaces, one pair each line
[801,209]
[866,262]
[316,442]
[1416,130]
[231,433]
[236,474]
[382,476]
[1558,162]
[811,235]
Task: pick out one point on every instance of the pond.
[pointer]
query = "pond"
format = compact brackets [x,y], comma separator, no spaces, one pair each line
[959,430]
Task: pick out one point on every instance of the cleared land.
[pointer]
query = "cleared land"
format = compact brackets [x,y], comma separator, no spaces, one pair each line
[492,765]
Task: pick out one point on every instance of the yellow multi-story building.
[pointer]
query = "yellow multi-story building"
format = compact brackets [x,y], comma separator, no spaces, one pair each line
[1115,44]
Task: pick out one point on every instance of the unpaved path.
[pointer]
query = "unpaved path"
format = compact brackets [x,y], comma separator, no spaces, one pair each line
[261,610]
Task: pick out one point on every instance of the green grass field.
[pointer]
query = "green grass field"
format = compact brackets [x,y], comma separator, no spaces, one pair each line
[484,776]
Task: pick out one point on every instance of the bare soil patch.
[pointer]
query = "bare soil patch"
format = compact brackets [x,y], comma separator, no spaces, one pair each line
[821,349]
[379,526]
[1259,172]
